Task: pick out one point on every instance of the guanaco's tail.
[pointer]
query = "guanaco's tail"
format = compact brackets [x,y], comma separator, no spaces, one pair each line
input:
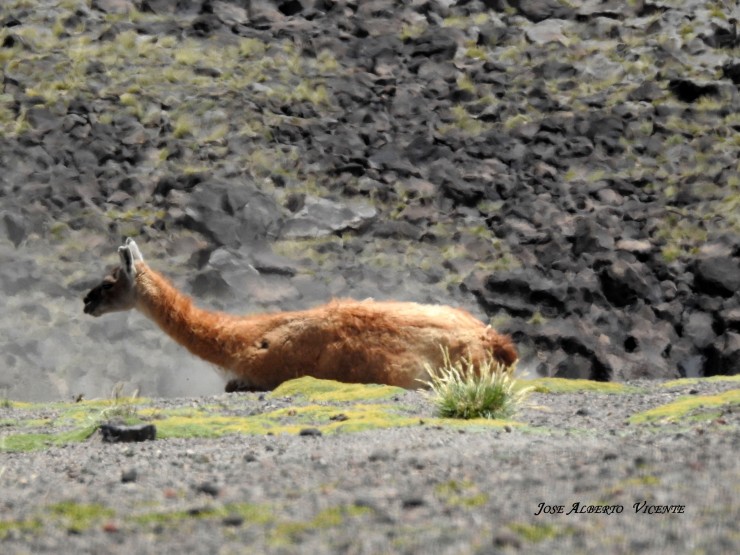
[502,347]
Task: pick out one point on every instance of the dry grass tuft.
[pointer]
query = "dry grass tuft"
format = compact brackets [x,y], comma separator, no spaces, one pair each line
[460,390]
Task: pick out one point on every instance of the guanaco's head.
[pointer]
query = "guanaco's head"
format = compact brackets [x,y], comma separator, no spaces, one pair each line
[117,290]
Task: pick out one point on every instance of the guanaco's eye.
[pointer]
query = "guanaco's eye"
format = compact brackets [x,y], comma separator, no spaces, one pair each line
[107,285]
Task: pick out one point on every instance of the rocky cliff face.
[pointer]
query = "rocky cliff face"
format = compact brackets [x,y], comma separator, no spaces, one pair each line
[568,170]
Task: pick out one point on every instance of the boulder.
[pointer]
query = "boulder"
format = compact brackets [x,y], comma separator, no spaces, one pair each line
[718,275]
[232,215]
[321,217]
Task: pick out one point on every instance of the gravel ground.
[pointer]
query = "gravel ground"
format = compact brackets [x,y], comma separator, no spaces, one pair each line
[432,487]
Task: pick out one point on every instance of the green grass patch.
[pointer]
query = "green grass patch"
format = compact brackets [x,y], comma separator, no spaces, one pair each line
[68,422]
[102,410]
[696,381]
[251,513]
[32,442]
[78,517]
[328,419]
[515,121]
[320,414]
[460,494]
[145,215]
[689,408]
[281,532]
[462,121]
[640,481]
[8,404]
[412,30]
[316,390]
[289,533]
[19,526]
[475,424]
[564,385]
[538,532]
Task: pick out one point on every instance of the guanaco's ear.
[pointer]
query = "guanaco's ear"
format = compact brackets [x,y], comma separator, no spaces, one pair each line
[127,262]
[134,248]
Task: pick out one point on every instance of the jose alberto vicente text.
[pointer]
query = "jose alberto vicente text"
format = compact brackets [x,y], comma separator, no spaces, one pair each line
[582,508]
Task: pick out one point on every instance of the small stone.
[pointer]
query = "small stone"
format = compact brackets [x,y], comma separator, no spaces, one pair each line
[504,539]
[640,247]
[379,455]
[110,527]
[130,475]
[233,520]
[312,432]
[209,488]
[322,217]
[411,502]
[549,30]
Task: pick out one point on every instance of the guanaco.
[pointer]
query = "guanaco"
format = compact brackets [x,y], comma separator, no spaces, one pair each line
[345,340]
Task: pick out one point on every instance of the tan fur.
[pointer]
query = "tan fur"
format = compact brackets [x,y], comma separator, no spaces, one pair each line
[345,340]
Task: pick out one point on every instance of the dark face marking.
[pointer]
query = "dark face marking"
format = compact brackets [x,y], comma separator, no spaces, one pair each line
[114,293]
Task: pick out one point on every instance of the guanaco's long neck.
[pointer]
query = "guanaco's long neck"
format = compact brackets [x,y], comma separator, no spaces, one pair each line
[202,332]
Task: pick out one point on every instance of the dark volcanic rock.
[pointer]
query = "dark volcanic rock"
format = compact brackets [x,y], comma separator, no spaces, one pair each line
[691,91]
[724,36]
[698,327]
[732,72]
[647,91]
[231,216]
[15,227]
[623,283]
[320,217]
[266,262]
[539,10]
[439,45]
[590,237]
[209,282]
[718,276]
